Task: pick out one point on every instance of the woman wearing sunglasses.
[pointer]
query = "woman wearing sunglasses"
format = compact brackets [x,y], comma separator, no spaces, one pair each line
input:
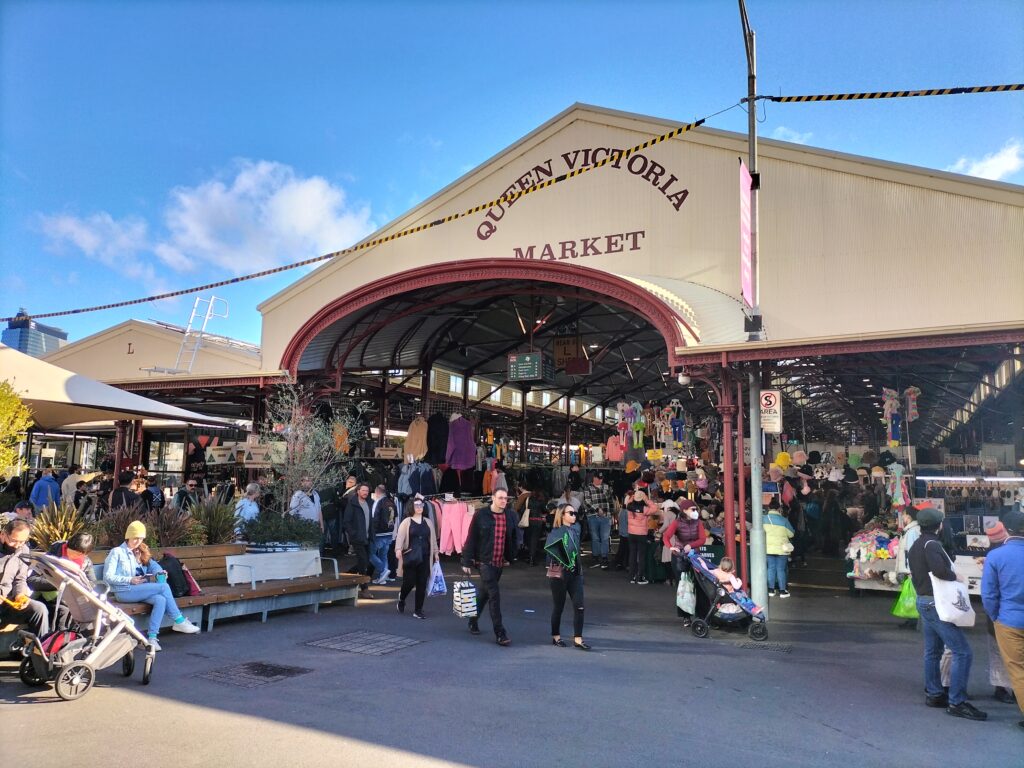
[565,575]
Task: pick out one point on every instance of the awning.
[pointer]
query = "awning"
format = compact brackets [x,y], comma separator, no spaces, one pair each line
[58,397]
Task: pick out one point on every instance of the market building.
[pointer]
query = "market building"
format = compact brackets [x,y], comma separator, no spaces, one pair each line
[873,275]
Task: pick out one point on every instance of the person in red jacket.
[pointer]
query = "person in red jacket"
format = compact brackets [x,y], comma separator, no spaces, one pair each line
[638,510]
[684,534]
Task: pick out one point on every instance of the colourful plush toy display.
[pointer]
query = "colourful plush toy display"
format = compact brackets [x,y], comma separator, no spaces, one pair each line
[783,459]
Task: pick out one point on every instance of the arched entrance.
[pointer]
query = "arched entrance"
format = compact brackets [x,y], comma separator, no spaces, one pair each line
[489,278]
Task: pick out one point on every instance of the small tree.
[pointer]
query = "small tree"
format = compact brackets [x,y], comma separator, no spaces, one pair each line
[15,419]
[304,442]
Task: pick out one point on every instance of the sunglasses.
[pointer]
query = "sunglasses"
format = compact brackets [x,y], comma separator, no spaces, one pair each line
[569,512]
[191,485]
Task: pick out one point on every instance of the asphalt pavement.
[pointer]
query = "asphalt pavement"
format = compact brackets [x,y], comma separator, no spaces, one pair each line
[836,682]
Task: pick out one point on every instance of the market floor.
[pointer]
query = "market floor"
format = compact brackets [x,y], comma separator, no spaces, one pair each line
[836,681]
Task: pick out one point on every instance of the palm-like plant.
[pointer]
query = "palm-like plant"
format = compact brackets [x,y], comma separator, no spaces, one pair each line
[58,522]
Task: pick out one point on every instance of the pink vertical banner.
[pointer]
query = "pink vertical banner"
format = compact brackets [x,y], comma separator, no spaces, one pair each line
[746,267]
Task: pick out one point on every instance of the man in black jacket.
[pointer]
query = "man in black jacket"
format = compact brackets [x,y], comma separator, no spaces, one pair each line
[927,558]
[491,545]
[358,525]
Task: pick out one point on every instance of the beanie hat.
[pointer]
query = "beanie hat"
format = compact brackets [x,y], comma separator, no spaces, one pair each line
[928,516]
[136,530]
[996,533]
[814,457]
[685,504]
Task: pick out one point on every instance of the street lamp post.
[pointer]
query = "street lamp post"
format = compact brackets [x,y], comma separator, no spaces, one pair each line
[758,553]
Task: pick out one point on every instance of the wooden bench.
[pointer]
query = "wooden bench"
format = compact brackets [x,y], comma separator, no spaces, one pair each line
[288,580]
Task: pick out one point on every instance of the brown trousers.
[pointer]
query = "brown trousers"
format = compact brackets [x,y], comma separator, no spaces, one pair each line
[1011,648]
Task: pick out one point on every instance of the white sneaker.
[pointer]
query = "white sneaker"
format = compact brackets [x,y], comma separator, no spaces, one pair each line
[185,626]
[154,644]
[384,576]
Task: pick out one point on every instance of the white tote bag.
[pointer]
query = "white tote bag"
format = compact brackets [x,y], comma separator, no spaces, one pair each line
[952,602]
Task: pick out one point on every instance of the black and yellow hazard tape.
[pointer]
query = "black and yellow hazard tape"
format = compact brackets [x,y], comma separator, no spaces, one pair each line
[612,158]
[896,94]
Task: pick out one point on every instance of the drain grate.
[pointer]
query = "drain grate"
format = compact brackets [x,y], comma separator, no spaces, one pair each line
[366,643]
[253,674]
[762,646]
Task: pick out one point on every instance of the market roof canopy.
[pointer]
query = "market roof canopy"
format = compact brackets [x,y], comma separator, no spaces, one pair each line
[58,397]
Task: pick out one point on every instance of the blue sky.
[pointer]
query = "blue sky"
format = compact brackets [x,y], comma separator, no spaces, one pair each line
[149,146]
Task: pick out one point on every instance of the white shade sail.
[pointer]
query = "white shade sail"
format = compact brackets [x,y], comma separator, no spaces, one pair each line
[58,397]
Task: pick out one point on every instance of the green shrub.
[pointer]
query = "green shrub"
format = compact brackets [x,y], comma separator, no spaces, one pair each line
[270,526]
[58,522]
[219,521]
[109,530]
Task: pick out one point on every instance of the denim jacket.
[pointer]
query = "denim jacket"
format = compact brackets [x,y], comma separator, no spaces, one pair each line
[121,566]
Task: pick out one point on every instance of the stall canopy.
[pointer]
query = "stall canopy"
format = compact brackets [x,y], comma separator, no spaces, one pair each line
[58,397]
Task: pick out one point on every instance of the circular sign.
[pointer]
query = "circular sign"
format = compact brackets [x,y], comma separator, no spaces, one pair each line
[768,400]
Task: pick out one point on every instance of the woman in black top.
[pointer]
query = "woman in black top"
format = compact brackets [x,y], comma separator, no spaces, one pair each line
[416,550]
[566,581]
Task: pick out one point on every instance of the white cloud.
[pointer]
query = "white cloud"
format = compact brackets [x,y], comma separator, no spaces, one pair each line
[114,243]
[782,133]
[995,165]
[259,215]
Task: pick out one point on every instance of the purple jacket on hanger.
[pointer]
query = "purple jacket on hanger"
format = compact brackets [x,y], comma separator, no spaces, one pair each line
[461,452]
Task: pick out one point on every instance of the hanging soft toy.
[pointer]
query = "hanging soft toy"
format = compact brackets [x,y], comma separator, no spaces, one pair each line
[799,458]
[910,394]
[854,460]
[783,459]
[891,412]
[897,489]
[775,473]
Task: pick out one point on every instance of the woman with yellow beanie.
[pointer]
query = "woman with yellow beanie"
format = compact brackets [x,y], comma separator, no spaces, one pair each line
[132,582]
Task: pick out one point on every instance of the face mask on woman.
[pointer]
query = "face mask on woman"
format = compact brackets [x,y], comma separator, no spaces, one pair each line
[693,514]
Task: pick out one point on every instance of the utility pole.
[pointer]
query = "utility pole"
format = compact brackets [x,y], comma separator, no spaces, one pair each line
[758,547]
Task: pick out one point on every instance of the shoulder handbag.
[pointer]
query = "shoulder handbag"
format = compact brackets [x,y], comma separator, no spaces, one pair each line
[952,601]
[524,519]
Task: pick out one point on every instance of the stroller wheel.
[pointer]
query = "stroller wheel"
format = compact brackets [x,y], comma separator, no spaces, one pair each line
[758,631]
[74,680]
[28,675]
[128,664]
[147,669]
[700,628]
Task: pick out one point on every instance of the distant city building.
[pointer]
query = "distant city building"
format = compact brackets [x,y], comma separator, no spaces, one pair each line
[26,335]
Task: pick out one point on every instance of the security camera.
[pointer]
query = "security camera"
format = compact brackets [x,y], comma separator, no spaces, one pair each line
[683,379]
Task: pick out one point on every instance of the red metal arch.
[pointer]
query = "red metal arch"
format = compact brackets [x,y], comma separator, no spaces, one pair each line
[613,288]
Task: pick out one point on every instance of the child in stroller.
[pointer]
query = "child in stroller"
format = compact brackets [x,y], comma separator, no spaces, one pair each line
[729,605]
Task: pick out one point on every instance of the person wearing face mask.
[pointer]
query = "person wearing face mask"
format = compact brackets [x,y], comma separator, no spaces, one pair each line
[15,604]
[683,535]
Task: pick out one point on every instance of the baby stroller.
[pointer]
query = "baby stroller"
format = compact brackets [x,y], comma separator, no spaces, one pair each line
[102,634]
[727,609]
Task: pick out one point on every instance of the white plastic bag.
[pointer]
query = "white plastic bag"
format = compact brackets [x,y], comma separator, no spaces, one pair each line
[437,584]
[686,595]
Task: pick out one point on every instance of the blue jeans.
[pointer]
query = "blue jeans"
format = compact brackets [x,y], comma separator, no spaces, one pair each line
[379,553]
[157,595]
[939,633]
[600,533]
[778,566]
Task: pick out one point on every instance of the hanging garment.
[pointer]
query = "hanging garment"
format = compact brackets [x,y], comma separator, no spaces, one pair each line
[416,439]
[614,449]
[437,438]
[461,452]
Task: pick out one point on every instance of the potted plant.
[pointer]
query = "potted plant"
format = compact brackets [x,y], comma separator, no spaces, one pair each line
[271,531]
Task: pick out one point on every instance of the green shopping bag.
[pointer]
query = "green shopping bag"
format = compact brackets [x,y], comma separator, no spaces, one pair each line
[905,606]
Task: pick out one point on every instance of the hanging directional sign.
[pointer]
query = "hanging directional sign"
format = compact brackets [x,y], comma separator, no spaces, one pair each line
[771,411]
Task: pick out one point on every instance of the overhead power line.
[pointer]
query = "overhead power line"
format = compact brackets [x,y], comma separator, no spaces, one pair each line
[896,94]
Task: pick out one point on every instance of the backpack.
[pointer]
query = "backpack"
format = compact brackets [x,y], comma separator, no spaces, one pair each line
[175,575]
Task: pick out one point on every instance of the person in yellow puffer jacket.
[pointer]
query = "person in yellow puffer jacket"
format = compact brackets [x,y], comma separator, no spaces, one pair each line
[777,533]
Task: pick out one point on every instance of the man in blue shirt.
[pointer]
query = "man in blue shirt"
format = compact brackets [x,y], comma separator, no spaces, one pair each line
[1002,592]
[45,491]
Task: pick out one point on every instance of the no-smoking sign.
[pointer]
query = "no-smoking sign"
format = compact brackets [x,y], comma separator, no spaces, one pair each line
[771,411]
